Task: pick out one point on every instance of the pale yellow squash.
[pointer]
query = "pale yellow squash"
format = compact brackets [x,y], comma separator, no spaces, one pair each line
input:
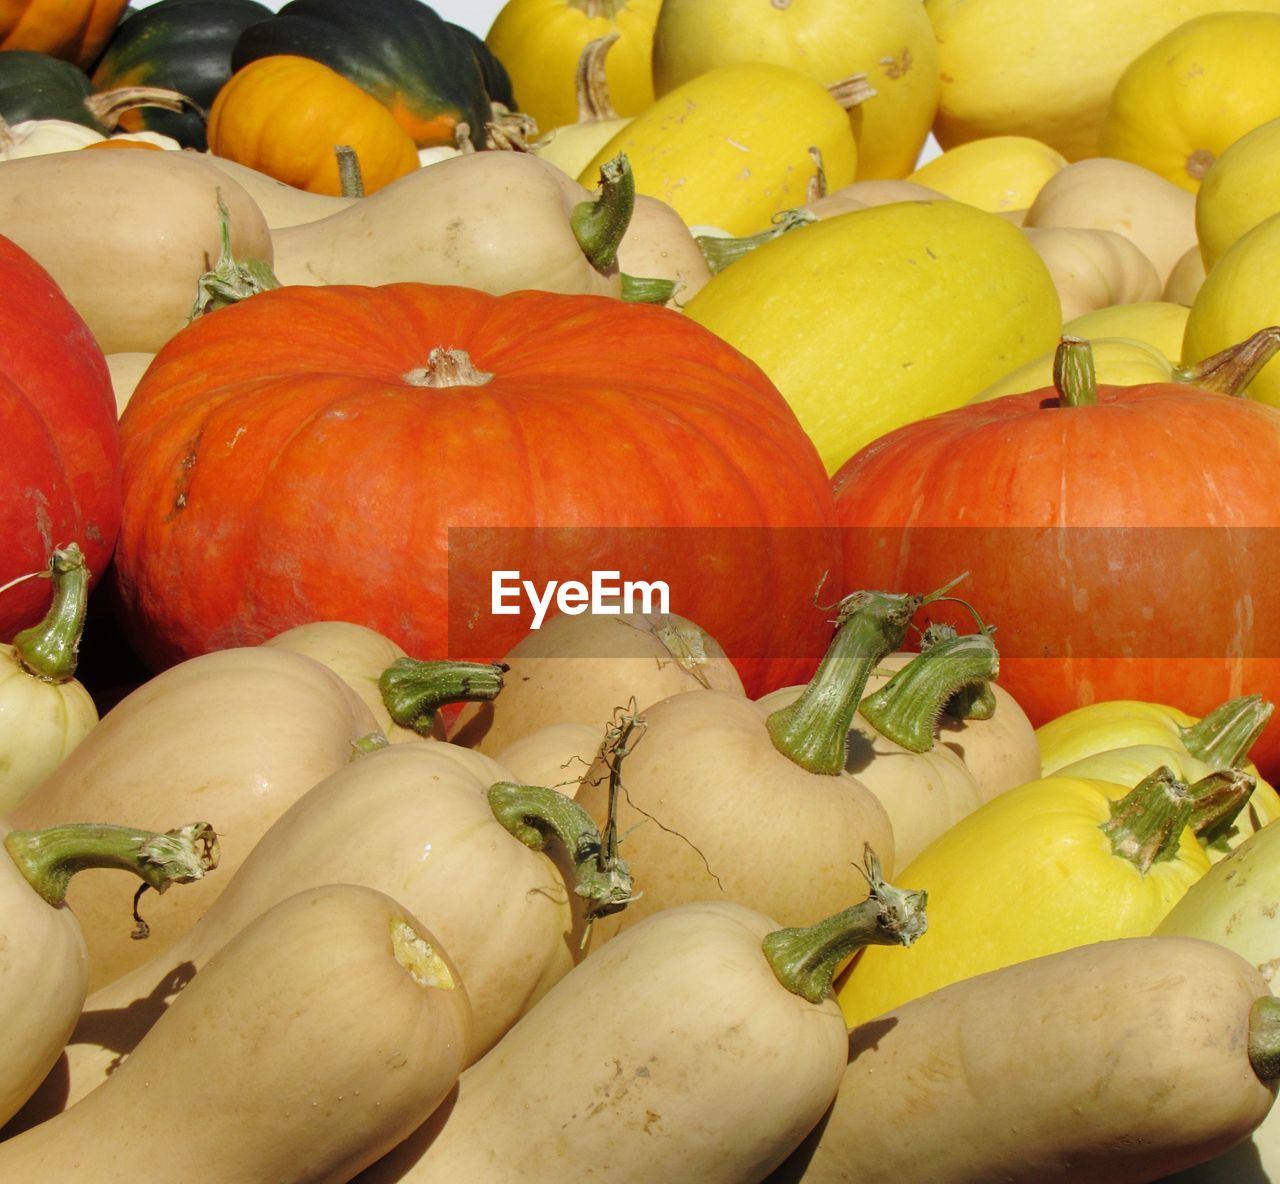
[1107,194]
[1159,323]
[731,147]
[281,204]
[1182,102]
[1239,297]
[540,41]
[1241,189]
[1045,69]
[126,368]
[1118,361]
[996,173]
[1093,269]
[889,41]
[1185,279]
[882,316]
[862,194]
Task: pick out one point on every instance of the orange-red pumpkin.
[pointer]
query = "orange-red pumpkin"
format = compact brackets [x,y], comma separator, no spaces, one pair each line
[304,455]
[1124,549]
[60,473]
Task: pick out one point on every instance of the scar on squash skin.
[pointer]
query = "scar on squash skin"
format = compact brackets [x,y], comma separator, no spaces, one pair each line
[896,67]
[185,465]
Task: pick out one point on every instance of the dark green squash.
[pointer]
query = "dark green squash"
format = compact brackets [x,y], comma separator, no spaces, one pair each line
[181,44]
[496,79]
[36,85]
[421,68]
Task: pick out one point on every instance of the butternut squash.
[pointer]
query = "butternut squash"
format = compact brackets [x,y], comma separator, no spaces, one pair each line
[415,820]
[281,204]
[310,1045]
[578,669]
[499,221]
[1094,269]
[683,1051]
[1155,1054]
[249,729]
[127,235]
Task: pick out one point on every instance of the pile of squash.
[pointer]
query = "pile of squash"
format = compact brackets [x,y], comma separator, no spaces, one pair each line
[922,834]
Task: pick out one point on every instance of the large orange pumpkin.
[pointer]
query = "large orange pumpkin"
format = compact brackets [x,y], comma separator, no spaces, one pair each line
[1125,549]
[306,455]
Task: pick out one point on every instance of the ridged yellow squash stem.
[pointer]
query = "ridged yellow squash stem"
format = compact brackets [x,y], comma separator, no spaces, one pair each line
[1043,68]
[1192,94]
[890,41]
[731,148]
[879,317]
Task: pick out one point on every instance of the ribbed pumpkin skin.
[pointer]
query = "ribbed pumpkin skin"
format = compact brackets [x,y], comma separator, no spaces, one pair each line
[279,469]
[414,63]
[60,480]
[75,30]
[184,45]
[1176,599]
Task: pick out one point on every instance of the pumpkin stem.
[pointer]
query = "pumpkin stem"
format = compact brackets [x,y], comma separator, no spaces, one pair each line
[1074,376]
[814,730]
[805,960]
[908,706]
[976,700]
[589,81]
[599,224]
[447,367]
[647,289]
[817,186]
[535,814]
[1230,371]
[108,106]
[413,691]
[48,858]
[1264,1037]
[1146,824]
[350,175]
[1224,736]
[230,280]
[1216,804]
[49,649]
[719,251]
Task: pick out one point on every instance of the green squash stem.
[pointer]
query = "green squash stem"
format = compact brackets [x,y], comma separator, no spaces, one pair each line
[49,650]
[719,251]
[814,730]
[49,857]
[908,706]
[1230,371]
[638,289]
[413,691]
[806,960]
[1146,824]
[230,280]
[975,701]
[1216,804]
[1224,736]
[600,223]
[1074,377]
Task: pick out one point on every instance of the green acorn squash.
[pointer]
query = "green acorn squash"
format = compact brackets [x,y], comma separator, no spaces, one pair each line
[399,51]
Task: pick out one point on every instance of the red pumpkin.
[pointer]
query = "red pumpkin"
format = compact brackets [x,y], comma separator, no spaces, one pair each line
[1124,550]
[60,476]
[288,459]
